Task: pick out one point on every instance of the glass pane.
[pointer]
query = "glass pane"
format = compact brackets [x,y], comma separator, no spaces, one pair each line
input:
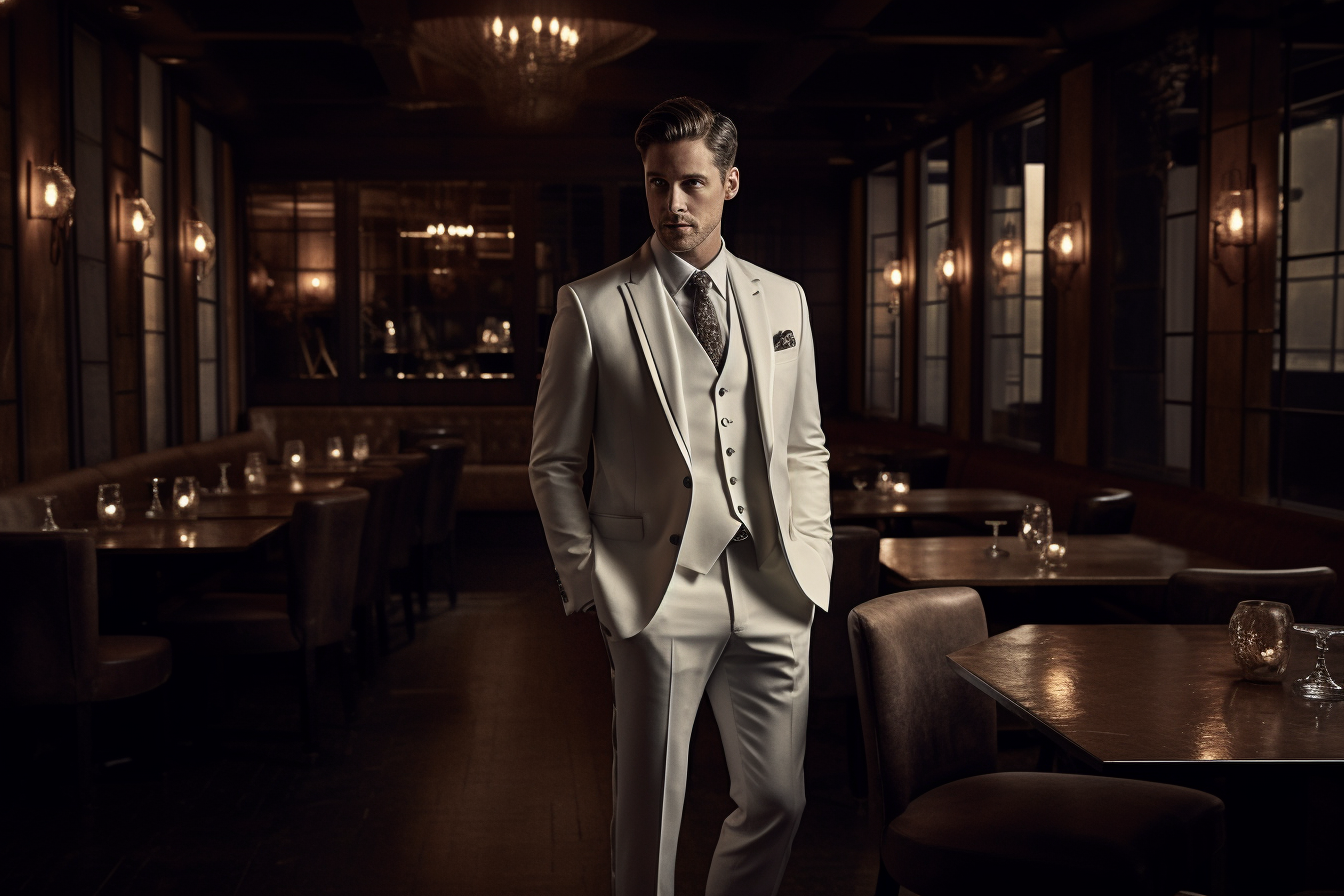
[204,184]
[317,250]
[1182,189]
[151,109]
[1033,327]
[884,250]
[1313,194]
[1033,234]
[88,85]
[156,391]
[316,205]
[937,197]
[275,248]
[206,330]
[151,187]
[882,201]
[935,330]
[1034,268]
[1308,361]
[1310,323]
[1181,274]
[155,311]
[1178,436]
[208,396]
[1180,367]
[1031,381]
[933,393]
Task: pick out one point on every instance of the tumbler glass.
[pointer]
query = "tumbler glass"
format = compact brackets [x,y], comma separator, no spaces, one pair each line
[359,450]
[335,450]
[254,471]
[186,498]
[111,512]
[1260,635]
[295,457]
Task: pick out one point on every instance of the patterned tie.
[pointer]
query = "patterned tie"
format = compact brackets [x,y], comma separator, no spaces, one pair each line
[706,321]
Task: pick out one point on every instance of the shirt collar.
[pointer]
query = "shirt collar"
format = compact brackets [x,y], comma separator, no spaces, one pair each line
[676,271]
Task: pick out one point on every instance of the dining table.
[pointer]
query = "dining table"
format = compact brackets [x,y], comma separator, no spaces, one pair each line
[181,536]
[1091,560]
[973,505]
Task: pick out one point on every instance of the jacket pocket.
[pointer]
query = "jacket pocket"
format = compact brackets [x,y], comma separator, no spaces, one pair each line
[618,528]
[787,356]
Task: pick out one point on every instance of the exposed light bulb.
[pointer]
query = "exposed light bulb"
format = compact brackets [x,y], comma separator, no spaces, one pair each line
[497,27]
[896,277]
[564,34]
[317,282]
[1007,258]
[199,244]
[138,221]
[183,500]
[50,195]
[949,269]
[470,230]
[510,233]
[555,27]
[573,37]
[1066,245]
[536,24]
[294,458]
[513,34]
[1235,221]
[440,230]
[430,230]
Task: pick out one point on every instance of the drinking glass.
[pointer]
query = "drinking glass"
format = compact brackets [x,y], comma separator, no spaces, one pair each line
[1319,685]
[111,512]
[335,450]
[886,484]
[900,483]
[1055,551]
[155,511]
[295,458]
[1259,632]
[223,487]
[994,552]
[186,498]
[861,481]
[49,522]
[359,449]
[254,471]
[1036,527]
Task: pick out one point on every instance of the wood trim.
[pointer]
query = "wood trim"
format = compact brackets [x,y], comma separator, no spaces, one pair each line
[1073,305]
[230,300]
[909,187]
[855,296]
[182,166]
[962,345]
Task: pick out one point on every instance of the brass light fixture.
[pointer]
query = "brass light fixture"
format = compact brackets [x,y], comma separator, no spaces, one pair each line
[1006,256]
[51,196]
[1234,213]
[1067,243]
[949,267]
[135,221]
[198,245]
[893,278]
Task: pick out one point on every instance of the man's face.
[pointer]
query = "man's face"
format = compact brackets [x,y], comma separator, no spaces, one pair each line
[686,195]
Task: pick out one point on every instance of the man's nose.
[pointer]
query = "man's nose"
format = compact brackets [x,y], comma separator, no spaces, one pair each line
[676,200]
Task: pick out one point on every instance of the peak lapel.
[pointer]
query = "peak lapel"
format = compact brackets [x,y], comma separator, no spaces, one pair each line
[650,309]
[760,346]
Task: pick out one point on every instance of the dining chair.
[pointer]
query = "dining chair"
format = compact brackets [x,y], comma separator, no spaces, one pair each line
[322,557]
[1104,511]
[950,825]
[853,582]
[410,510]
[1209,596]
[437,533]
[50,650]
[371,587]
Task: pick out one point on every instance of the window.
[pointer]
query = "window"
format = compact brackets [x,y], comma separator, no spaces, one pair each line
[1308,369]
[1014,283]
[207,291]
[883,390]
[935,187]
[154,269]
[1154,188]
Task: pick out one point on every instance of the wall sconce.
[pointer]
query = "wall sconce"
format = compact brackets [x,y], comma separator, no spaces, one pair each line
[893,277]
[199,246]
[949,267]
[1006,259]
[1234,216]
[135,222]
[1067,245]
[51,196]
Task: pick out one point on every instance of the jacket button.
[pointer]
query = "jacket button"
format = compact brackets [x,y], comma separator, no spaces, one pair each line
[732,480]
[740,508]
[686,482]
[725,421]
[730,452]
[675,539]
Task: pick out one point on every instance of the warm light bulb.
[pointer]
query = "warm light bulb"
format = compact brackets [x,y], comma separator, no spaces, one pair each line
[1007,258]
[564,34]
[50,195]
[183,500]
[440,230]
[317,282]
[110,509]
[949,269]
[497,27]
[1235,221]
[138,221]
[199,244]
[470,230]
[294,458]
[536,24]
[555,27]
[573,37]
[513,34]
[1066,245]
[896,277]
[510,234]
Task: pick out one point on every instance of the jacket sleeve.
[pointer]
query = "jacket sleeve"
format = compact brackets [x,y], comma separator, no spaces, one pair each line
[809,475]
[562,431]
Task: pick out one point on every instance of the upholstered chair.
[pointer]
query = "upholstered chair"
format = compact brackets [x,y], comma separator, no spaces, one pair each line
[950,825]
[370,617]
[1104,511]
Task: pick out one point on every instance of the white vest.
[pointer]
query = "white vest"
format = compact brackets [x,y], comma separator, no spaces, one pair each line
[729,490]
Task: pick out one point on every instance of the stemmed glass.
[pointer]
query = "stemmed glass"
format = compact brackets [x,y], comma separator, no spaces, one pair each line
[861,481]
[49,523]
[994,552]
[359,449]
[1036,527]
[223,487]
[1318,685]
[155,511]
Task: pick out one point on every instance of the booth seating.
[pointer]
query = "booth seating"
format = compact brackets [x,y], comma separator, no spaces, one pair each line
[77,491]
[498,441]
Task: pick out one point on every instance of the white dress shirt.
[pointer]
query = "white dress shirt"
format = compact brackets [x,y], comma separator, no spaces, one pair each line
[676,273]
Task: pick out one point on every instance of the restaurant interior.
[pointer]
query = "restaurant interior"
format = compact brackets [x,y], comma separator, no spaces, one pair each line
[277,281]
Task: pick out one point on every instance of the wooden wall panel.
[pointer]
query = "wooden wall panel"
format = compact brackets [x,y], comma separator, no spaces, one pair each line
[855,295]
[184,369]
[1073,318]
[963,345]
[41,285]
[10,431]
[909,192]
[231,307]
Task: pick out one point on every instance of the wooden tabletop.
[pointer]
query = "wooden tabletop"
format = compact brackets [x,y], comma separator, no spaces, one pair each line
[925,503]
[1092,560]
[274,500]
[204,536]
[1121,694]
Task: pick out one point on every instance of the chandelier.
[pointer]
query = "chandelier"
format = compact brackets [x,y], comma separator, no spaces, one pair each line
[530,68]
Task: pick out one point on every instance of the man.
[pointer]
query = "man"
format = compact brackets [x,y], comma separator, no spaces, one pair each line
[706,543]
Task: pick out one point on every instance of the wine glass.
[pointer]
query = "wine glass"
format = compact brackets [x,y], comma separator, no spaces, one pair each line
[223,487]
[860,481]
[1318,685]
[49,522]
[155,511]
[1036,527]
[359,449]
[994,552]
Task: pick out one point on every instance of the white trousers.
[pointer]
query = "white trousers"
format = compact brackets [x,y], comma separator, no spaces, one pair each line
[741,634]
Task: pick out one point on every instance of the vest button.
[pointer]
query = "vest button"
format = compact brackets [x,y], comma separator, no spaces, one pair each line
[725,421]
[730,452]
[732,480]
[741,509]
[686,482]
[675,539]
[723,392]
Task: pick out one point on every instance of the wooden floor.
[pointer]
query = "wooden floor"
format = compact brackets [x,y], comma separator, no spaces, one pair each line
[480,764]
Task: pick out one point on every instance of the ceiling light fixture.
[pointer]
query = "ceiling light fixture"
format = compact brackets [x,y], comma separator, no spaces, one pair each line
[531,69]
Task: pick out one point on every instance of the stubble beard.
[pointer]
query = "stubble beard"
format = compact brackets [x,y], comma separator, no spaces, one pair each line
[682,241]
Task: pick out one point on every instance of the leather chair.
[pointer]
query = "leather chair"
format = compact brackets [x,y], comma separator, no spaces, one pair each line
[384,486]
[1209,596]
[438,525]
[76,492]
[853,582]
[323,563]
[951,826]
[50,649]
[410,509]
[1105,511]
[408,437]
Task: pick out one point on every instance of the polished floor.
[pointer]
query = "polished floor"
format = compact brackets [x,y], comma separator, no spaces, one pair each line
[479,764]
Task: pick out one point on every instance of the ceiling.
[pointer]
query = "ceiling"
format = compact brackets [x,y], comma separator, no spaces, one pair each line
[335,81]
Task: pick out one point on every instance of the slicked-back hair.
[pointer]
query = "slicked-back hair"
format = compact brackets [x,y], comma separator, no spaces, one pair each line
[686,118]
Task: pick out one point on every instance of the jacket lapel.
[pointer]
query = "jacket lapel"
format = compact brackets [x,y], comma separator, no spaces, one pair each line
[760,346]
[650,309]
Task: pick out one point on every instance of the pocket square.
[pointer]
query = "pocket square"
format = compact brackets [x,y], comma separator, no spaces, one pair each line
[784,339]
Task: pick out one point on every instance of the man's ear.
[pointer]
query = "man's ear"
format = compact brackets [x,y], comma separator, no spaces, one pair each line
[732,182]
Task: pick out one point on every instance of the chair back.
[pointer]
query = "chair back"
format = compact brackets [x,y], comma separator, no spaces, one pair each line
[445,473]
[324,538]
[384,486]
[923,725]
[853,582]
[410,437]
[48,617]
[410,505]
[1105,511]
[1209,596]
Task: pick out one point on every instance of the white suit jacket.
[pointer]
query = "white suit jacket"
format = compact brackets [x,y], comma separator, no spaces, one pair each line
[611,379]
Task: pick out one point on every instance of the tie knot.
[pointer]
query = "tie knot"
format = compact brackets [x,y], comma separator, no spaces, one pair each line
[700,280]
